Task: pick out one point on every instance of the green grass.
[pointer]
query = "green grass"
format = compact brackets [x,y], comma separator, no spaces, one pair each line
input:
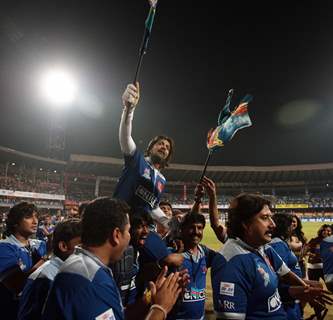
[310,231]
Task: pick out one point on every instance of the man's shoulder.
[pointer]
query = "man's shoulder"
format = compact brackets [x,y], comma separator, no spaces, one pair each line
[233,251]
[46,271]
[7,247]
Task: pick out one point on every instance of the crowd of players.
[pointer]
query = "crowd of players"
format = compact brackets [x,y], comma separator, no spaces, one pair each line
[134,257]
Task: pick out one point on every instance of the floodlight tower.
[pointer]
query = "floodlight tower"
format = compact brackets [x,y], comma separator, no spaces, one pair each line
[59,88]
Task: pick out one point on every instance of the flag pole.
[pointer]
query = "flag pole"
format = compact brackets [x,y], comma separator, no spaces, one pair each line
[210,152]
[145,38]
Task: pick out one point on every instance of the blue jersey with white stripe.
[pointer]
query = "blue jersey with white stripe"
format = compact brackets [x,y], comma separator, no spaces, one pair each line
[245,282]
[14,253]
[84,289]
[292,308]
[36,289]
[289,258]
[326,254]
[192,305]
[140,184]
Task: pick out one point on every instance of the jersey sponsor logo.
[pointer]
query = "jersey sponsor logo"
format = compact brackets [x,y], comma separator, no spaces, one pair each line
[228,305]
[227,288]
[146,174]
[264,275]
[107,315]
[194,294]
[274,302]
[146,196]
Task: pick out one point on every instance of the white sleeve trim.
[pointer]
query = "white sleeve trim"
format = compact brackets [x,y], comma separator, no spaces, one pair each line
[127,144]
[230,315]
[283,270]
[159,216]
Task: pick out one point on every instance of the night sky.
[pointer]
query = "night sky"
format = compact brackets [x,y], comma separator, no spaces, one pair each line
[280,53]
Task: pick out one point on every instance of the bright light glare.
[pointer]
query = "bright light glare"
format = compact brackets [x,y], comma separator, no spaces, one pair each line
[58,87]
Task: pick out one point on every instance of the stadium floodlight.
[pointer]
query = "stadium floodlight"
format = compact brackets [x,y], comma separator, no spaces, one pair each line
[58,87]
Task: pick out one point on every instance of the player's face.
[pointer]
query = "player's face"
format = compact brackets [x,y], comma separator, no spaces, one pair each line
[192,234]
[161,149]
[28,225]
[167,210]
[140,234]
[259,230]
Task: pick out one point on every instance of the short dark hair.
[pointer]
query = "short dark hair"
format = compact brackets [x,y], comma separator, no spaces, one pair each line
[65,231]
[191,218]
[139,217]
[100,218]
[241,210]
[17,213]
[283,221]
[156,140]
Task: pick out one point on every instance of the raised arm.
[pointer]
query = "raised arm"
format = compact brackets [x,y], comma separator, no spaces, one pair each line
[219,229]
[130,100]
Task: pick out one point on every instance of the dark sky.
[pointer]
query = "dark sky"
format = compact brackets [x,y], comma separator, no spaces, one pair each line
[280,53]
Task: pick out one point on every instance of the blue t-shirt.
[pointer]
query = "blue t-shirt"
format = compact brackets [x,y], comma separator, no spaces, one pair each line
[288,257]
[36,289]
[192,304]
[326,253]
[140,184]
[245,282]
[84,289]
[14,253]
[291,307]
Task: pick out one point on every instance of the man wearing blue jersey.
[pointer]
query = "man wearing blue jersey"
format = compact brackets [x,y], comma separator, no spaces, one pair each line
[281,234]
[19,255]
[66,235]
[85,288]
[246,275]
[326,254]
[141,183]
[197,260]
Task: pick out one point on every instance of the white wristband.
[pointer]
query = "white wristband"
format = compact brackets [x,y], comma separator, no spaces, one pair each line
[157,306]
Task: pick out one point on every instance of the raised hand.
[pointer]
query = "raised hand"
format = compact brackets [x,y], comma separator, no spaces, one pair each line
[131,95]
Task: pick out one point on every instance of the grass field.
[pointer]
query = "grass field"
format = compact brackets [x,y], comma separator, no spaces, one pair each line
[310,230]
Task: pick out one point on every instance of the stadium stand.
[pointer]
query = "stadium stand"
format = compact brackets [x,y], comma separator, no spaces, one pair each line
[304,189]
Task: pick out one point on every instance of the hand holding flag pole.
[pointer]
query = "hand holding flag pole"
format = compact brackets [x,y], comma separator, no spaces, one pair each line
[228,124]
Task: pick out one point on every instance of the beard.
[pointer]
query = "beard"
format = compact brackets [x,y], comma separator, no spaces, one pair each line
[156,159]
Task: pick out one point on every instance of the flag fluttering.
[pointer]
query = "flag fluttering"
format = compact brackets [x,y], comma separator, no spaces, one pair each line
[229,123]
